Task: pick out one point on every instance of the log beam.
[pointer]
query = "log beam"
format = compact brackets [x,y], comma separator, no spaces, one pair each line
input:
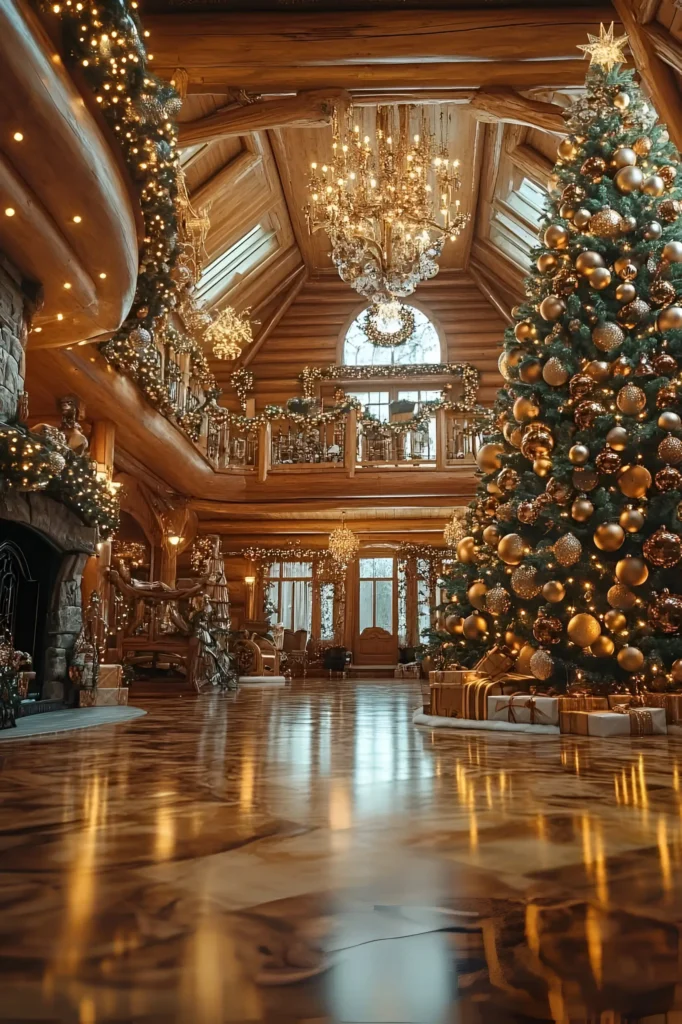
[657,75]
[501,103]
[531,163]
[226,179]
[307,109]
[665,45]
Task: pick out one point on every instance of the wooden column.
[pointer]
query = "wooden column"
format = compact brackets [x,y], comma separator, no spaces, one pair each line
[441,439]
[169,562]
[102,439]
[350,442]
[264,446]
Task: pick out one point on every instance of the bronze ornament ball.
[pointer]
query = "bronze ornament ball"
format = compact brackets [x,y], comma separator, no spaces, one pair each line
[476,595]
[670,319]
[599,278]
[628,224]
[547,263]
[588,261]
[609,537]
[530,372]
[554,372]
[653,185]
[672,252]
[669,420]
[621,367]
[598,370]
[652,231]
[582,509]
[581,386]
[668,479]
[602,647]
[628,179]
[552,307]
[633,312]
[634,481]
[630,658]
[453,624]
[488,457]
[631,400]
[586,413]
[557,236]
[547,629]
[669,210]
[665,612]
[507,479]
[620,597]
[676,671]
[554,591]
[474,627]
[617,438]
[581,218]
[511,549]
[522,664]
[666,396]
[567,148]
[513,640]
[466,550]
[567,550]
[631,571]
[497,600]
[491,536]
[608,462]
[625,268]
[624,157]
[584,479]
[670,450]
[542,467]
[542,665]
[606,223]
[662,293]
[608,336]
[578,454]
[525,408]
[516,355]
[583,629]
[593,167]
[663,548]
[625,292]
[615,621]
[524,330]
[527,512]
[631,519]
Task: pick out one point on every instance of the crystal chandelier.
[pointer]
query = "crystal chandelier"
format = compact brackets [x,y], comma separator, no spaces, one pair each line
[228,333]
[343,544]
[453,531]
[386,199]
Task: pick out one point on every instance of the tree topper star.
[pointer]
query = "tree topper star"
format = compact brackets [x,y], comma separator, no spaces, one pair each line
[604,49]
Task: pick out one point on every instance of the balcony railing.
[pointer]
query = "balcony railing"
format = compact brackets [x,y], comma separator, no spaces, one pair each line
[294,445]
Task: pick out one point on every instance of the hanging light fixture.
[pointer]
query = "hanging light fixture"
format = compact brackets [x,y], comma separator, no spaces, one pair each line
[453,531]
[228,333]
[343,544]
[386,199]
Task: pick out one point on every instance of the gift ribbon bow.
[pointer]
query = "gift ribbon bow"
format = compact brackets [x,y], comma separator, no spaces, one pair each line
[641,719]
[528,702]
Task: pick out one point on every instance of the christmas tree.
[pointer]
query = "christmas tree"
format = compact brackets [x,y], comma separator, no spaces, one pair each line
[574,545]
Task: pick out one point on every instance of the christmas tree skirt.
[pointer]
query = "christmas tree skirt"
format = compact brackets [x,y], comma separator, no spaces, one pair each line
[436,722]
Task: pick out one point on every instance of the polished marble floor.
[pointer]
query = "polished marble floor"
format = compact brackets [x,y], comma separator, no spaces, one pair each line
[307,855]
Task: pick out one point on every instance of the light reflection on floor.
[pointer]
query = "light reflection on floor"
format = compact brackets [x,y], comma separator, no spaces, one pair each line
[306,854]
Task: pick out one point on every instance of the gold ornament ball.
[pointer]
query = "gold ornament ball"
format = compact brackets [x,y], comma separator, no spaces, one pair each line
[552,307]
[633,312]
[615,621]
[524,581]
[631,520]
[567,149]
[676,671]
[567,550]
[488,457]
[541,665]
[511,549]
[454,624]
[476,595]
[632,571]
[474,627]
[503,366]
[530,372]
[621,100]
[625,268]
[542,467]
[631,399]
[642,145]
[652,231]
[523,331]
[522,664]
[602,647]
[672,251]
[554,591]
[598,370]
[556,237]
[583,629]
[554,372]
[617,438]
[497,600]
[581,218]
[582,510]
[466,550]
[608,336]
[628,224]
[578,454]
[600,278]
[491,536]
[669,421]
[670,319]
[584,479]
[513,640]
[586,262]
[670,450]
[653,185]
[525,408]
[626,292]
[630,658]
[620,597]
[628,179]
[515,435]
[606,223]
[609,536]
[624,157]
[516,355]
[547,263]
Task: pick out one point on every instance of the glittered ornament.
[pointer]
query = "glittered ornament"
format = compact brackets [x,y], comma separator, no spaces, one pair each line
[670,450]
[572,193]
[666,396]
[642,145]
[621,597]
[511,548]
[668,479]
[524,581]
[605,223]
[665,612]
[633,312]
[584,479]
[567,550]
[547,629]
[554,372]
[583,629]
[661,292]
[586,413]
[582,509]
[566,283]
[631,571]
[609,536]
[527,512]
[608,336]
[665,365]
[541,665]
[593,167]
[669,210]
[631,399]
[57,462]
[608,462]
[663,548]
[497,600]
[558,491]
[580,386]
[631,519]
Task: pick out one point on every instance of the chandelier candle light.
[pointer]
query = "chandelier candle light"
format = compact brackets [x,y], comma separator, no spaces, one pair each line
[386,201]
[343,544]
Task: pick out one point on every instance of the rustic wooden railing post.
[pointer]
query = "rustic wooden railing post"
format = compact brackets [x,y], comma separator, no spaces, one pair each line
[351,442]
[441,438]
[264,444]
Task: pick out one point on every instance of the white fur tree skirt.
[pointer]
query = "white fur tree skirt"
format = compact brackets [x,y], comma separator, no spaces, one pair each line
[435,722]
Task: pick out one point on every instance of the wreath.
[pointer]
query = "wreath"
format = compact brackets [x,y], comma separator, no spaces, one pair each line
[389,339]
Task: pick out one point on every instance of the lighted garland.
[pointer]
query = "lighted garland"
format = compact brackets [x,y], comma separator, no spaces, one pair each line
[30,463]
[388,339]
[242,381]
[465,372]
[277,412]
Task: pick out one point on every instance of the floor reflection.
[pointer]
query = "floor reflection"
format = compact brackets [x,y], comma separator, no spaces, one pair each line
[307,855]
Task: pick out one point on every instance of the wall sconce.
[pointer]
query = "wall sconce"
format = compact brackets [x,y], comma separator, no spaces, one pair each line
[174,540]
[250,580]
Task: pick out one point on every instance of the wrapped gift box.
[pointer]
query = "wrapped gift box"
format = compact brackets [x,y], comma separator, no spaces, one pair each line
[635,722]
[584,703]
[496,662]
[110,675]
[670,702]
[453,675]
[523,707]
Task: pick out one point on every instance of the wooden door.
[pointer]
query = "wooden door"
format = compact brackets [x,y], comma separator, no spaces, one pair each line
[376,638]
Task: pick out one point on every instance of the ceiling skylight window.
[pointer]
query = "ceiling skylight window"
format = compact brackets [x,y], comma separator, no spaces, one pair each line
[221,274]
[516,220]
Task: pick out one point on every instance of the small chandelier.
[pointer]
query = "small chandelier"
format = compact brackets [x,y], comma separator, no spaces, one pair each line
[453,531]
[228,333]
[386,199]
[343,544]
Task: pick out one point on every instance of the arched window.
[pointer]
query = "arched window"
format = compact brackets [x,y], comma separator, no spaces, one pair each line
[422,347]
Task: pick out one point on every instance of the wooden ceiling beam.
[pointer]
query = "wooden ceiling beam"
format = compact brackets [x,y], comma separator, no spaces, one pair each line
[665,45]
[277,315]
[307,109]
[531,163]
[226,179]
[658,76]
[502,103]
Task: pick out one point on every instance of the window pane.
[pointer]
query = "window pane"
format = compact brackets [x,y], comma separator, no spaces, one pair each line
[302,604]
[383,616]
[275,570]
[297,570]
[383,567]
[422,347]
[273,597]
[286,615]
[366,604]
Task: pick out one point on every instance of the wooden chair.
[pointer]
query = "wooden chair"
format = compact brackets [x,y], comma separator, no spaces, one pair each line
[295,648]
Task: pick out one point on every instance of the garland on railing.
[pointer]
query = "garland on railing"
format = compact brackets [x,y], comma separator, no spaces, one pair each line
[465,372]
[278,412]
[33,463]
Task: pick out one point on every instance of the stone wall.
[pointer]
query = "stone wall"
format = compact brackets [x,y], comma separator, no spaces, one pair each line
[12,340]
